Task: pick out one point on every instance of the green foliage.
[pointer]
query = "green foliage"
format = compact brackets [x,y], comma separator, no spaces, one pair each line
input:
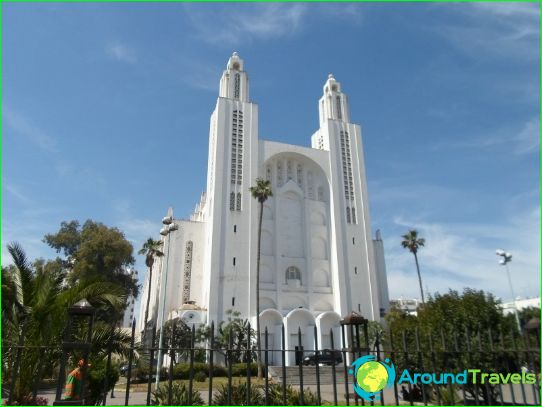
[262,190]
[35,313]
[200,376]
[235,330]
[240,369]
[179,395]
[526,314]
[453,321]
[96,381]
[182,370]
[94,251]
[238,395]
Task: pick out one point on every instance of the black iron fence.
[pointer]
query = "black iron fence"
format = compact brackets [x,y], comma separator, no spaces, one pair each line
[224,371]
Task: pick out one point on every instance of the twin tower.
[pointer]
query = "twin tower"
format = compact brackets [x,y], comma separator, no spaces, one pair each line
[319,261]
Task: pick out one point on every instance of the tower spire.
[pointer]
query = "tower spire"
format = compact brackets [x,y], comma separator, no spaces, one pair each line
[234,81]
[333,104]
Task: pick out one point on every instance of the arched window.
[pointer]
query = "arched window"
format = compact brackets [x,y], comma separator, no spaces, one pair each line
[293,274]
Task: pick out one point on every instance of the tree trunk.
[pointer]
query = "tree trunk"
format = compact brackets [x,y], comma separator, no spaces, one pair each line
[419,276]
[148,303]
[258,339]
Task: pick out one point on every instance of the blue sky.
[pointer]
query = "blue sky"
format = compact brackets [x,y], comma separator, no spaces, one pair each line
[105,115]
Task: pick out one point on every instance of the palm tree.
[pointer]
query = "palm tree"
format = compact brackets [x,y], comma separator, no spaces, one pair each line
[35,315]
[261,191]
[412,242]
[150,249]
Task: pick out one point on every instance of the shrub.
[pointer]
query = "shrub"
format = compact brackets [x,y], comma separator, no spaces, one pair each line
[292,396]
[96,380]
[240,369]
[219,371]
[200,376]
[238,395]
[27,401]
[179,396]
[182,370]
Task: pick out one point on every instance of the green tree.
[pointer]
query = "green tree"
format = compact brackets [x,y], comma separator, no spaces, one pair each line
[236,330]
[150,249]
[412,242]
[35,315]
[261,192]
[526,314]
[440,336]
[94,251]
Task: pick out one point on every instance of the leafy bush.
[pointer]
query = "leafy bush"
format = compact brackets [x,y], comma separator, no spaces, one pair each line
[219,371]
[96,380]
[182,370]
[238,395]
[292,396]
[240,369]
[27,401]
[179,396]
[200,376]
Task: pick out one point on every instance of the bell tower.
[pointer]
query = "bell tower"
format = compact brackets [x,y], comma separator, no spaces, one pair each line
[234,81]
[232,167]
[354,264]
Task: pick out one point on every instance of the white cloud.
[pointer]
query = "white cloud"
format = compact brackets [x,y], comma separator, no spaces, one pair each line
[459,255]
[17,192]
[244,22]
[528,139]
[524,139]
[24,127]
[499,30]
[121,52]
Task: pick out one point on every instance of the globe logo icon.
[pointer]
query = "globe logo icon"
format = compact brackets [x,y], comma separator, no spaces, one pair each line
[371,376]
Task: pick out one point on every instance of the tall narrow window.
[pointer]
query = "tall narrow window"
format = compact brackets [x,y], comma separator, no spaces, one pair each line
[236,86]
[339,113]
[239,201]
[354,215]
[348,214]
[187,270]
[234,261]
[233,301]
[234,228]
[232,201]
[355,270]
[289,171]
[320,193]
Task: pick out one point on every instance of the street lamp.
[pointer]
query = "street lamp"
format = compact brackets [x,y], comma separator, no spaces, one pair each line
[169,226]
[507,258]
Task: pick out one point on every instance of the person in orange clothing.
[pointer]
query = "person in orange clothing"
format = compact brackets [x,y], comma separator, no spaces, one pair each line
[72,390]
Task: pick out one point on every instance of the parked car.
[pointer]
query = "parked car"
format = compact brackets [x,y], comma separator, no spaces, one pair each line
[123,370]
[325,357]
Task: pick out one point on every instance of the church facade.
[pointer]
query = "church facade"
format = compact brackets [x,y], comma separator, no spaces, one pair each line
[319,261]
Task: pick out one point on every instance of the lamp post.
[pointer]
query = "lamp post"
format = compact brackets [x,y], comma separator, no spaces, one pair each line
[169,227]
[81,312]
[507,258]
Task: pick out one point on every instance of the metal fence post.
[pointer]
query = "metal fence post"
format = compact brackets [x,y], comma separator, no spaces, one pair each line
[130,360]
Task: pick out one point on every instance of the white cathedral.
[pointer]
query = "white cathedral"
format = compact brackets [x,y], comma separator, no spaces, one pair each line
[318,259]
